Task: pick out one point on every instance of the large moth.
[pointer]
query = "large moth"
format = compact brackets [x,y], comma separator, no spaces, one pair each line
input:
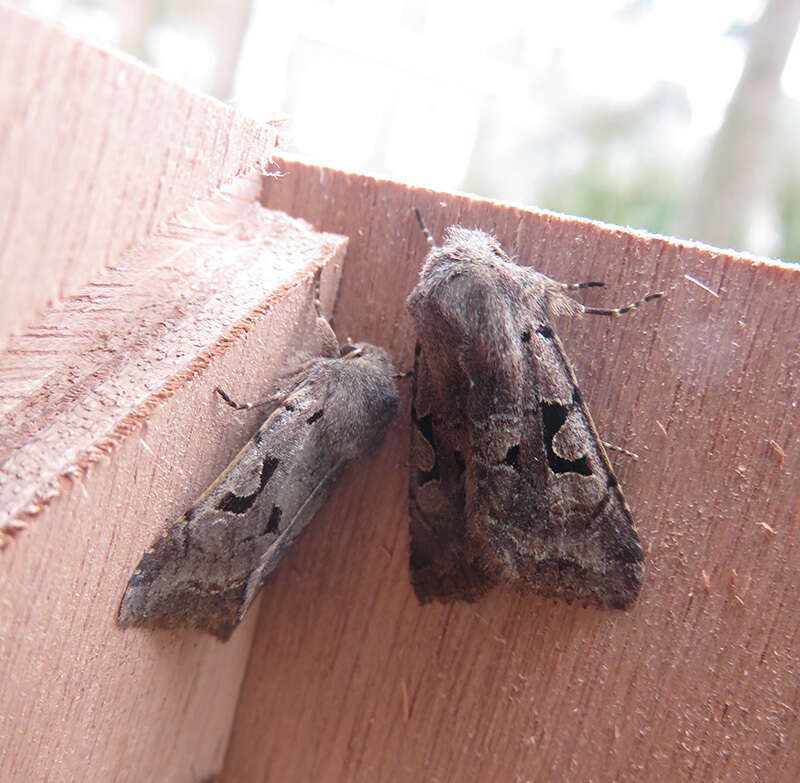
[509,479]
[207,567]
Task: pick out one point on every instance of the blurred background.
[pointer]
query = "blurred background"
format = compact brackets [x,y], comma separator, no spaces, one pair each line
[677,116]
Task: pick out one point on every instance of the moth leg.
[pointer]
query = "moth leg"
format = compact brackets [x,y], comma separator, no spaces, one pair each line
[330,345]
[619,449]
[246,406]
[615,311]
[350,349]
[577,286]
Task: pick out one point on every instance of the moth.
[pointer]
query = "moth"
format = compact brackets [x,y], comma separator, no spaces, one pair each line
[207,567]
[509,481]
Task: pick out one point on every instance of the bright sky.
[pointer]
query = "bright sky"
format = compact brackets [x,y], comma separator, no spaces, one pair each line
[357,86]
[402,88]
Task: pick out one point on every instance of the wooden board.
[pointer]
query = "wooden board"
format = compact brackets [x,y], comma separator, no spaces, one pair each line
[95,152]
[350,679]
[110,428]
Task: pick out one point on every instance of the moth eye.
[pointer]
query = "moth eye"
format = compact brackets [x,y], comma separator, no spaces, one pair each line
[417,349]
[526,336]
[315,417]
[512,457]
[545,331]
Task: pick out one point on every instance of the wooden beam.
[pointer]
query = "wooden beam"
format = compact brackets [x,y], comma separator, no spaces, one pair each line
[110,428]
[96,151]
[351,679]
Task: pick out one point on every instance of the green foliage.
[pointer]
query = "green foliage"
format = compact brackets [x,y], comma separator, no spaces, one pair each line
[648,199]
[789,205]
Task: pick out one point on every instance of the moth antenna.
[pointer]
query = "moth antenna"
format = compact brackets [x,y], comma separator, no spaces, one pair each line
[615,311]
[330,345]
[576,286]
[424,228]
[318,294]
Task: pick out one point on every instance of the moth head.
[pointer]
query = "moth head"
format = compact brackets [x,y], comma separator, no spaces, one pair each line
[471,245]
[370,360]
[364,397]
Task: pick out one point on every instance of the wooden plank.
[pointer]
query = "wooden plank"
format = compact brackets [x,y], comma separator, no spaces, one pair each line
[350,679]
[110,428]
[95,151]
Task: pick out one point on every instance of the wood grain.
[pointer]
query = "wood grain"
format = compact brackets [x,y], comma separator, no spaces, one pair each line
[109,429]
[350,679]
[95,152]
[163,286]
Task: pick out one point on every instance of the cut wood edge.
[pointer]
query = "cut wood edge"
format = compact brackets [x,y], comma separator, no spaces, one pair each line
[96,366]
[97,151]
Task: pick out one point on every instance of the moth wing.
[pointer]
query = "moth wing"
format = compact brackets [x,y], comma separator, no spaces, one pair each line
[542,497]
[208,566]
[444,562]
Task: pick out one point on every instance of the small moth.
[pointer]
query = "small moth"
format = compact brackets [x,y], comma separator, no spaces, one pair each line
[509,479]
[207,567]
